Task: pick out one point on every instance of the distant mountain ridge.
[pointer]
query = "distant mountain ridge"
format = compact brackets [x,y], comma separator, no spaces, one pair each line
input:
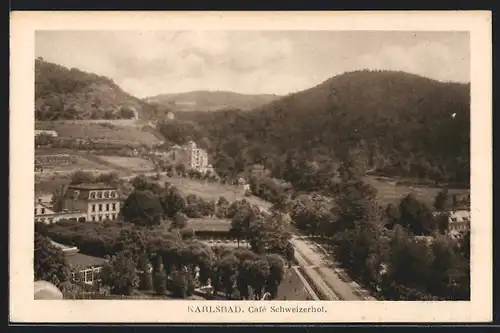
[205,100]
[63,93]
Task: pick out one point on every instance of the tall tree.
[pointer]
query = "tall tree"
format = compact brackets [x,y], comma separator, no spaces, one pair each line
[120,274]
[50,263]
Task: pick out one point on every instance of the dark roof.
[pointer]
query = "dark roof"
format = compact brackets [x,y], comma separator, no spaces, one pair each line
[91,186]
[84,261]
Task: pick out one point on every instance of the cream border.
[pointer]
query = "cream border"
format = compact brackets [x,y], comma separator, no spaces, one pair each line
[23,24]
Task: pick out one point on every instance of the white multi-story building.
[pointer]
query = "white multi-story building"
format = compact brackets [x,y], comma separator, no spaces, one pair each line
[197,158]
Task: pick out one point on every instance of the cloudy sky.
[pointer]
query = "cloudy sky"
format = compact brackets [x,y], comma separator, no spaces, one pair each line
[150,62]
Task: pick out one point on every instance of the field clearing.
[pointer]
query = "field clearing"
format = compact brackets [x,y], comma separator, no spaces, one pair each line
[105,131]
[212,191]
[392,193]
[131,163]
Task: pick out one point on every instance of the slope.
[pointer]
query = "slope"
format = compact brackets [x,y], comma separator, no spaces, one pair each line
[62,93]
[391,122]
[210,100]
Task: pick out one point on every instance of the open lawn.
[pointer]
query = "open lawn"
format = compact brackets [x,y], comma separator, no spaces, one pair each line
[292,288]
[390,192]
[212,191]
[131,163]
[108,131]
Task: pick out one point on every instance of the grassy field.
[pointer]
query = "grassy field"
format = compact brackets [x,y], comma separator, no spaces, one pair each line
[391,193]
[210,191]
[107,131]
[292,288]
[131,163]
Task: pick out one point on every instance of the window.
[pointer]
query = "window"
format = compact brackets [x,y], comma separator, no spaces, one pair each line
[113,216]
[92,195]
[100,207]
[100,217]
[112,194]
[107,207]
[99,195]
[51,220]
[43,211]
[93,207]
[35,211]
[106,194]
[113,205]
[88,276]
[93,218]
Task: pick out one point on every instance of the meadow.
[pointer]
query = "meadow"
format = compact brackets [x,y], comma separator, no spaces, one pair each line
[392,192]
[112,131]
[212,191]
[130,163]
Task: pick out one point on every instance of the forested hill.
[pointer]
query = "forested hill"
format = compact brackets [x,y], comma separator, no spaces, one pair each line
[397,123]
[62,93]
[210,100]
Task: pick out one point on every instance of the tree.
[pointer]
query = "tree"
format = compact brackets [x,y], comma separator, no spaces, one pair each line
[180,221]
[441,200]
[173,201]
[50,263]
[146,279]
[276,273]
[81,177]
[240,223]
[226,270]
[160,280]
[120,274]
[142,208]
[257,272]
[416,216]
[57,200]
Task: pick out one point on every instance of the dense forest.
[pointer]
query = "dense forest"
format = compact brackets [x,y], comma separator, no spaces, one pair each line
[393,123]
[62,93]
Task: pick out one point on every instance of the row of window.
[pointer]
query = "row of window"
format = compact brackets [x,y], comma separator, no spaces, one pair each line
[102,194]
[103,217]
[90,275]
[103,207]
[42,211]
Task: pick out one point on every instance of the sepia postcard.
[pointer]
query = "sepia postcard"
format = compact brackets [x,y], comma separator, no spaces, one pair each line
[239,167]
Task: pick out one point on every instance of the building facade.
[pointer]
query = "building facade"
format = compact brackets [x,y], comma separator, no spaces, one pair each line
[459,220]
[197,157]
[45,214]
[100,202]
[87,268]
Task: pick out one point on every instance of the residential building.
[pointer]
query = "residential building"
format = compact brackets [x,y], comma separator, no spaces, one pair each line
[459,220]
[100,202]
[45,214]
[197,157]
[87,267]
[191,156]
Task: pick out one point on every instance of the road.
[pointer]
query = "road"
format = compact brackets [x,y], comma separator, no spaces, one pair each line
[326,276]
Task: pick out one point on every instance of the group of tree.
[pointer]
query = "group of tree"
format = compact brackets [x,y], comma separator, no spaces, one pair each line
[244,274]
[71,94]
[400,252]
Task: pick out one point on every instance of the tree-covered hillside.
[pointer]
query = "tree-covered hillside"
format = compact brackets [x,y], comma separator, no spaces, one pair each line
[62,93]
[210,101]
[396,123]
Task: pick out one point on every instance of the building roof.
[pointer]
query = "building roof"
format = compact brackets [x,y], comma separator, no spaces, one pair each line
[91,186]
[84,261]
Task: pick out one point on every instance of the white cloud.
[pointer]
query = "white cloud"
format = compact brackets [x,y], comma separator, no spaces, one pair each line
[150,62]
